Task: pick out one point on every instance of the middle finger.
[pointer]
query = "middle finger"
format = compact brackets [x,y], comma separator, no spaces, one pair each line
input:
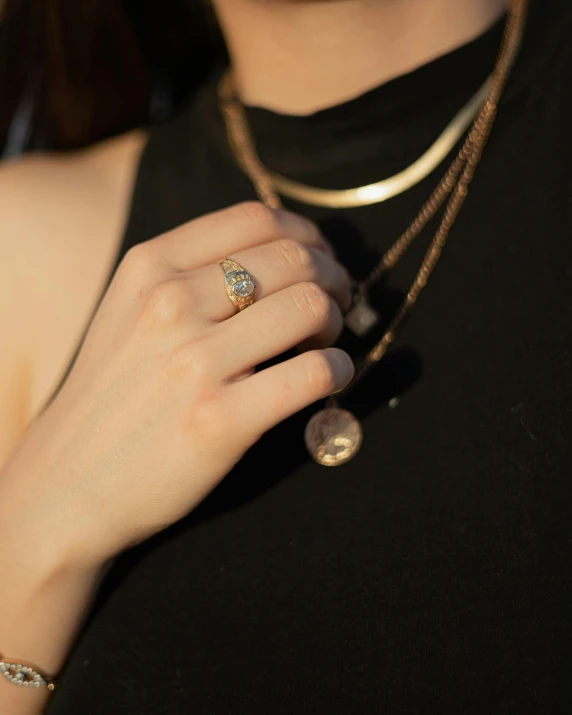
[273,266]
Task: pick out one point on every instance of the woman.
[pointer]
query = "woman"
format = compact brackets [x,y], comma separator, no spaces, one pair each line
[168,535]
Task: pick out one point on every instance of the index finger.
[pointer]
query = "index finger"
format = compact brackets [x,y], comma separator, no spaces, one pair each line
[215,236]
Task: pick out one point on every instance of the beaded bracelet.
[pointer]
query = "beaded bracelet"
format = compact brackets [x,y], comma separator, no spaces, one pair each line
[25,676]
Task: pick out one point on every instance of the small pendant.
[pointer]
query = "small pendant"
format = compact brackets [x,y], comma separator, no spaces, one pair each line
[361,318]
[333,436]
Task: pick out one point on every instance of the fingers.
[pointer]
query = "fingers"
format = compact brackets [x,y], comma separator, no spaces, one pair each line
[216,236]
[282,390]
[273,325]
[274,266]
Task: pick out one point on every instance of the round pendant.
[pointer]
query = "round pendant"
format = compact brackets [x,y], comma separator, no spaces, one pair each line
[333,436]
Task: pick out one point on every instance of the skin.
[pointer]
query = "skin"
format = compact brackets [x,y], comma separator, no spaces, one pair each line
[318,53]
[140,431]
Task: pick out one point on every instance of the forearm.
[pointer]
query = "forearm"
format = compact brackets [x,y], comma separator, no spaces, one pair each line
[44,596]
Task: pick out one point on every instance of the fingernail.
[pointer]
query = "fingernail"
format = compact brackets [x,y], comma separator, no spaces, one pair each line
[342,367]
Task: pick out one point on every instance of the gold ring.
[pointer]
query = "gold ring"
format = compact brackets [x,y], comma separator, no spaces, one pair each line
[239,284]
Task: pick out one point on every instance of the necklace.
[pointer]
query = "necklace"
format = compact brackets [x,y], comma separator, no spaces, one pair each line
[333,435]
[371,193]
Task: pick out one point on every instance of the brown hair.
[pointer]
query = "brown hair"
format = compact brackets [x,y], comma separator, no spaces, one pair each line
[88,69]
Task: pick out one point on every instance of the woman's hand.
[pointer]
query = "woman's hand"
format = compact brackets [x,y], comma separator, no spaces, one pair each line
[163,399]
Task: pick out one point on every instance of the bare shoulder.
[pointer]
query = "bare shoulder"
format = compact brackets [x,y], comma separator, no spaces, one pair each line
[61,222]
[43,194]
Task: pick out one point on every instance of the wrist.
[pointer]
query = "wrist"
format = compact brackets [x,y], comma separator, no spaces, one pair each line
[40,556]
[43,601]
[48,581]
[45,532]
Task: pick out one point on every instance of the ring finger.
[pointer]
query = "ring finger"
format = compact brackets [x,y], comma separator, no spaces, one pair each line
[271,327]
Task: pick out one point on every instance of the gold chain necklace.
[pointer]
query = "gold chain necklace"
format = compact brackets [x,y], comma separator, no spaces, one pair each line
[333,435]
[362,195]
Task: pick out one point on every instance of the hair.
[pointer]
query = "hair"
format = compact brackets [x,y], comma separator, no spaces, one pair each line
[84,70]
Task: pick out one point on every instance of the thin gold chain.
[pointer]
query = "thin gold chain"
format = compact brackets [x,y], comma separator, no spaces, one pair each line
[273,183]
[451,191]
[380,190]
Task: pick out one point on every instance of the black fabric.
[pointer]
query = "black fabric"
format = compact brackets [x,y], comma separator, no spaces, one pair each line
[433,573]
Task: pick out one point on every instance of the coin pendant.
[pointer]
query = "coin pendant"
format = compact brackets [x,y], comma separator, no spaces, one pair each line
[333,436]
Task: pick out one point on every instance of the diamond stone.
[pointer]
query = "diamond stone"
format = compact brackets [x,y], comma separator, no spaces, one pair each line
[243,288]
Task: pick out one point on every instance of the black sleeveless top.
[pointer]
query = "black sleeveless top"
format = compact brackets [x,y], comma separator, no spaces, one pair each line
[433,573]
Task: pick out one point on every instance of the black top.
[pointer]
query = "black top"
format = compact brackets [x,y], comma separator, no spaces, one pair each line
[433,573]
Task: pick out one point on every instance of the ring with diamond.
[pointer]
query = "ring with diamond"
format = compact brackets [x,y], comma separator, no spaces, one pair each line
[239,284]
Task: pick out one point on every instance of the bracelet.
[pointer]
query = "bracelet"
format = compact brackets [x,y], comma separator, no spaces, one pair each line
[25,676]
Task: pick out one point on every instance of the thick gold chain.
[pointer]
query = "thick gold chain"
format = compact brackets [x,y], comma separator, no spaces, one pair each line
[370,193]
[452,189]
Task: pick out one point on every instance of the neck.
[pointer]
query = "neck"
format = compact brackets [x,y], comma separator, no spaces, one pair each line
[300,56]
